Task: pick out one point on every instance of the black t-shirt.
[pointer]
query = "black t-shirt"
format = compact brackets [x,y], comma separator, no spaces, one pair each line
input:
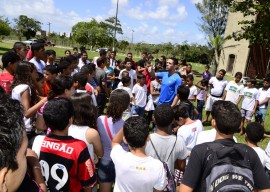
[194,171]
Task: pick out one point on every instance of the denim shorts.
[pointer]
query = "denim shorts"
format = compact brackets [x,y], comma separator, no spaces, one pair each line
[106,171]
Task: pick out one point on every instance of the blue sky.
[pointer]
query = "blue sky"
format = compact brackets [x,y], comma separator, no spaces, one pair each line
[153,21]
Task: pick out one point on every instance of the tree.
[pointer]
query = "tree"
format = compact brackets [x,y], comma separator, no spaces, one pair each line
[91,33]
[5,29]
[213,23]
[109,24]
[26,27]
[122,45]
[257,30]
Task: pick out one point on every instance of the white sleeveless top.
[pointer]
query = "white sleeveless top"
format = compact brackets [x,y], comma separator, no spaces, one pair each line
[16,94]
[78,132]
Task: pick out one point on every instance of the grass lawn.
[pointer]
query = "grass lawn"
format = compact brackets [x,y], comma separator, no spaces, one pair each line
[196,68]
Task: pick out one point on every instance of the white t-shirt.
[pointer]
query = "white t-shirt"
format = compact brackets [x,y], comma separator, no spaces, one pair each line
[157,87]
[262,155]
[16,94]
[263,95]
[164,145]
[208,136]
[234,90]
[132,75]
[81,63]
[39,65]
[140,95]
[192,92]
[79,132]
[127,89]
[218,86]
[137,174]
[250,96]
[190,133]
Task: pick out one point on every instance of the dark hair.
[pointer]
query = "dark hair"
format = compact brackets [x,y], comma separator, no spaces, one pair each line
[100,61]
[102,52]
[10,57]
[180,111]
[144,53]
[190,77]
[37,47]
[75,48]
[71,59]
[119,102]
[163,115]
[113,52]
[59,85]
[125,80]
[136,131]
[51,68]
[254,132]
[183,77]
[175,61]
[141,76]
[40,76]
[223,71]
[267,79]
[18,45]
[68,51]
[63,65]
[184,62]
[88,69]
[238,74]
[207,66]
[85,113]
[81,78]
[227,117]
[57,113]
[50,52]
[82,48]
[252,81]
[205,81]
[11,131]
[183,92]
[23,76]
[82,52]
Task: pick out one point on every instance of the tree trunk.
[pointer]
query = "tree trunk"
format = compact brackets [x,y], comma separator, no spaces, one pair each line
[215,66]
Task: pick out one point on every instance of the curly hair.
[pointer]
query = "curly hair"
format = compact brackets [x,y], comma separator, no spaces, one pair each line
[11,130]
[119,102]
[85,113]
[23,75]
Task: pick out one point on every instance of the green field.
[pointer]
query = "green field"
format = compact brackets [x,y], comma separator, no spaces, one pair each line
[197,70]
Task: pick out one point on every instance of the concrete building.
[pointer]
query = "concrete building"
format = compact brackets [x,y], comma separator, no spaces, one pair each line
[239,56]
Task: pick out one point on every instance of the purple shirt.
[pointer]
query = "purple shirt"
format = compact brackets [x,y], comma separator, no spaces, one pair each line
[207,75]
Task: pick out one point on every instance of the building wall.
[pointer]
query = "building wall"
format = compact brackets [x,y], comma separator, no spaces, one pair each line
[237,48]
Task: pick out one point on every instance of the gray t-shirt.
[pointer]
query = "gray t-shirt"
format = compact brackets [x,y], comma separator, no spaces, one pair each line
[164,145]
[101,77]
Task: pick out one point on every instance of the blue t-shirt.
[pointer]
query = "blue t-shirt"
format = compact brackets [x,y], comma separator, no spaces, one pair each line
[169,86]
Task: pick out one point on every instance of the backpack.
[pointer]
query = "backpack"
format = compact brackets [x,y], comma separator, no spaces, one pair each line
[171,185]
[227,168]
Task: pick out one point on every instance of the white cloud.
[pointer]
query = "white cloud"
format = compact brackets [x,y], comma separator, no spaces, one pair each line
[120,2]
[181,10]
[196,1]
[161,12]
[169,32]
[170,3]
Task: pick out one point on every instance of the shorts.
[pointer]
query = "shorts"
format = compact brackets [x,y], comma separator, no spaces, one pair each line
[246,114]
[263,112]
[106,171]
[210,101]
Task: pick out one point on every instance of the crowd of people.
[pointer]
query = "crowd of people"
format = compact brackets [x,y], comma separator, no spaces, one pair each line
[80,124]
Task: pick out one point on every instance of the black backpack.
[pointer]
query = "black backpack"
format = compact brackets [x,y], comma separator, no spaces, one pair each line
[171,185]
[227,168]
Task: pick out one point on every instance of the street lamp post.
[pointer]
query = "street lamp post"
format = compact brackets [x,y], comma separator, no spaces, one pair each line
[115,25]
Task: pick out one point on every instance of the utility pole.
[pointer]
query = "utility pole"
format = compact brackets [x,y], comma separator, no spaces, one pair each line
[115,25]
[132,37]
[49,28]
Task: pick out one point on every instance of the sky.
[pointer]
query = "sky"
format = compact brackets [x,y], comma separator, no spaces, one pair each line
[153,21]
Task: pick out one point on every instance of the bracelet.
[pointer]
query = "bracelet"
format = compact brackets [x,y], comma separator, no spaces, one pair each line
[36,167]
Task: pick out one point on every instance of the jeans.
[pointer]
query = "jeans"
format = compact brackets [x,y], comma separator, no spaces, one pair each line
[139,110]
[101,102]
[200,104]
